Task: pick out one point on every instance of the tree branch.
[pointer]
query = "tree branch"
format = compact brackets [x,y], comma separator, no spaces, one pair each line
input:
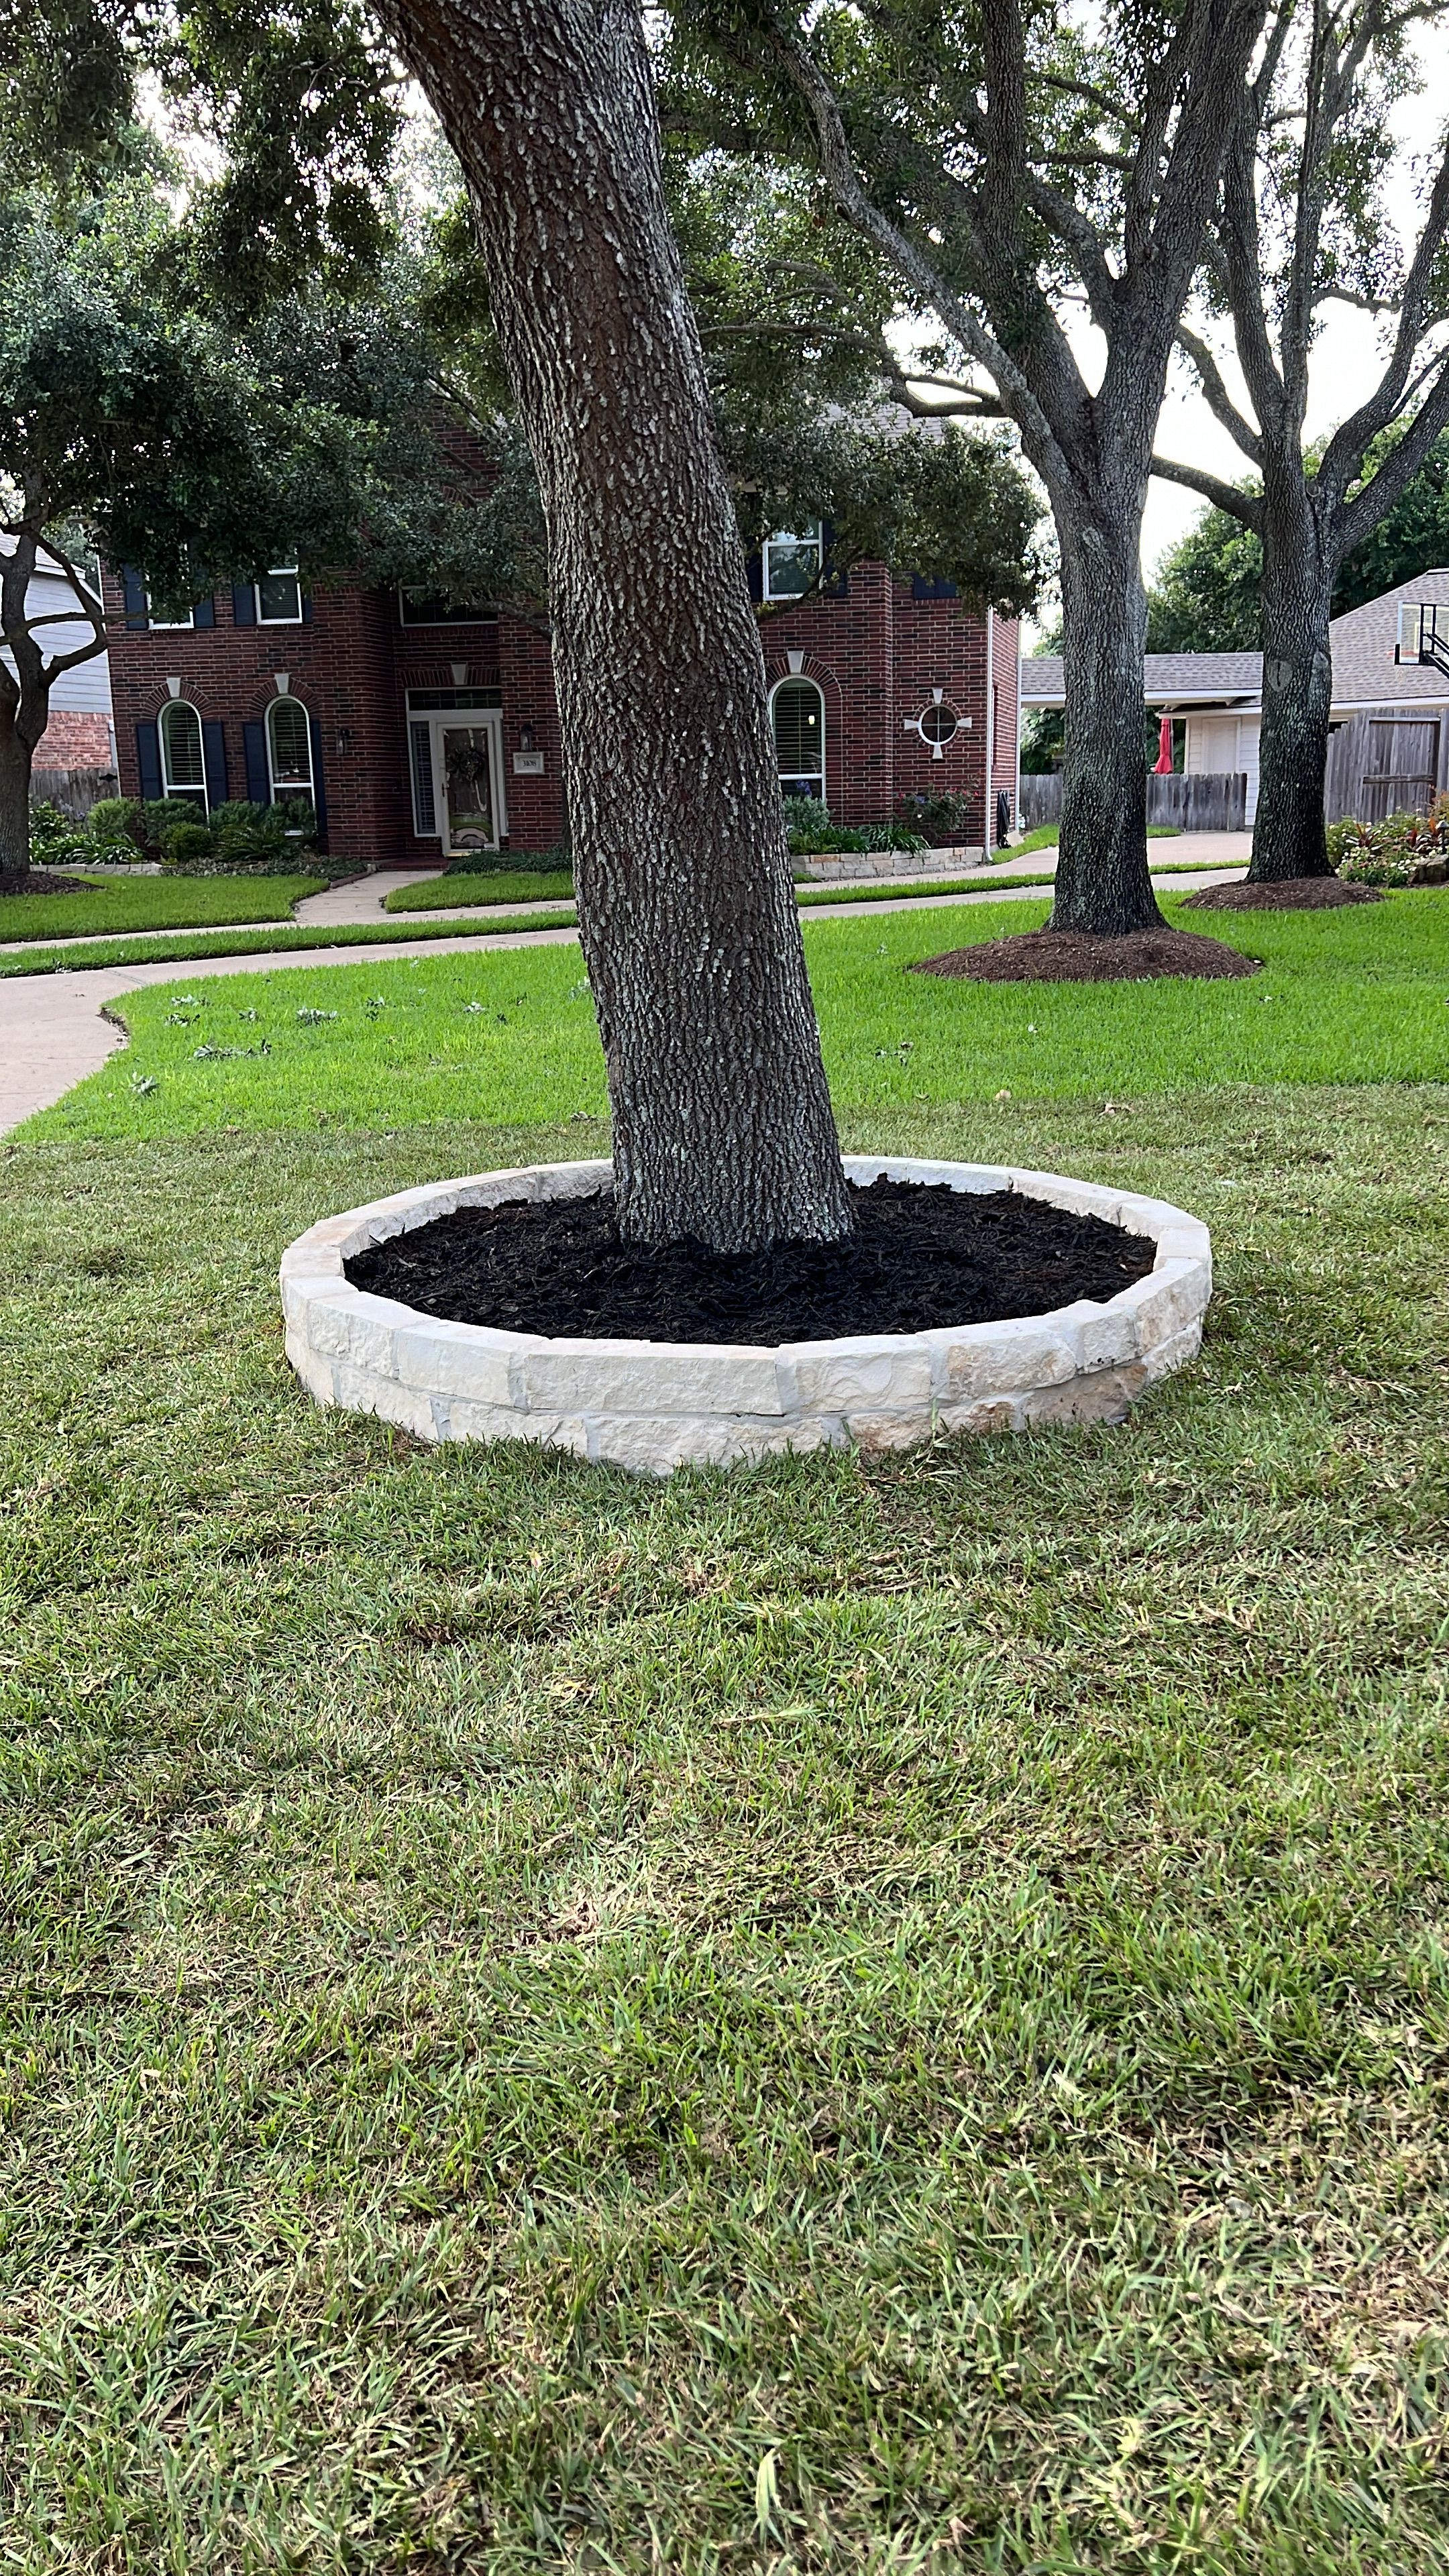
[1240,505]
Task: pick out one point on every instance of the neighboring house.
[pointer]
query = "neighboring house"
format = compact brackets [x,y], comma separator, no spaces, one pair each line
[423,728]
[1389,749]
[79,734]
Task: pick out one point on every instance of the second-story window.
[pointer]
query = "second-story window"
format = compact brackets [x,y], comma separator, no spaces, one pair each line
[279,597]
[792,562]
[169,625]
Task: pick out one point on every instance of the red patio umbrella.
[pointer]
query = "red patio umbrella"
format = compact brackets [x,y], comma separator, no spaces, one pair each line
[1164,749]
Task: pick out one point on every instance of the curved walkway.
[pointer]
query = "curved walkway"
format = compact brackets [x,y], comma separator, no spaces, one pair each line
[52,1032]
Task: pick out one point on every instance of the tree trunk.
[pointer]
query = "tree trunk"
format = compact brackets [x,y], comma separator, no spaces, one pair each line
[15,764]
[1298,577]
[1102,883]
[722,1121]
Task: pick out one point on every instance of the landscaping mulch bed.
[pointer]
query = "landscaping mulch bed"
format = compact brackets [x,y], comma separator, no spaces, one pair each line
[1079,957]
[41,881]
[919,1257]
[1287,894]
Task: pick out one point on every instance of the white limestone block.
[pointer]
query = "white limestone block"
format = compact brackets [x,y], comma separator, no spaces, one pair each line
[998,1359]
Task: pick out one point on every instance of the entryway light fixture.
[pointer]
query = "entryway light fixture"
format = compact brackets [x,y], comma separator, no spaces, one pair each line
[527,738]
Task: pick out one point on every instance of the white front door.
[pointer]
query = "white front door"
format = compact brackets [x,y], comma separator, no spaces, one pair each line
[468,781]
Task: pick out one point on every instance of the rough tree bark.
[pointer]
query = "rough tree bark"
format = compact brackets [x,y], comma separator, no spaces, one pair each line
[25,687]
[1102,882]
[1289,835]
[722,1121]
[975,259]
[24,707]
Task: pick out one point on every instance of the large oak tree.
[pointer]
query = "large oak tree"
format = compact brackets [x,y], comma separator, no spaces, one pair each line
[1305,222]
[1009,160]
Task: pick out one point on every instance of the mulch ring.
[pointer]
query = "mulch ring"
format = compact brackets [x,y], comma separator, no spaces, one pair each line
[41,881]
[1082,957]
[921,1256]
[1284,894]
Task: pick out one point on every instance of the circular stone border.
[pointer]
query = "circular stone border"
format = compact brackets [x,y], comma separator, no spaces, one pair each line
[655,1406]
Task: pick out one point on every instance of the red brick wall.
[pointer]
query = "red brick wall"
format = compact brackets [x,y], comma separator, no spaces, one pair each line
[74,738]
[876,652]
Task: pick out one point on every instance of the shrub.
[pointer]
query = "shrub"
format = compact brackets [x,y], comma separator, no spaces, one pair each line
[242,839]
[1387,853]
[507,863]
[55,840]
[115,826]
[944,817]
[160,815]
[186,845]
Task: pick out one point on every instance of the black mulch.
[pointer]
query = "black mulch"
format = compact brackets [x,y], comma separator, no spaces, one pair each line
[919,1257]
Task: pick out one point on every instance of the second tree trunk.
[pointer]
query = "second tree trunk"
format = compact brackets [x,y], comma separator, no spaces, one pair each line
[1102,882]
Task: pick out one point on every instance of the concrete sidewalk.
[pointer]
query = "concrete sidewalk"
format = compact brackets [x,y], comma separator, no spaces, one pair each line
[52,1033]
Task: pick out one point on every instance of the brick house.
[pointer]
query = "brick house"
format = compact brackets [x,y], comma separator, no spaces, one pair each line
[422,727]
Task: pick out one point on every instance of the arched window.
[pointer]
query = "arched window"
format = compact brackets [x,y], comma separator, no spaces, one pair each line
[289,748]
[798,710]
[183,764]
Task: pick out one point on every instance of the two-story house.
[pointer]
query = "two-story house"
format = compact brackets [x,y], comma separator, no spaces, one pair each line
[423,727]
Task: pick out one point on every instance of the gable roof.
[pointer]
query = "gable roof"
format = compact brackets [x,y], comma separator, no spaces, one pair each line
[1362,641]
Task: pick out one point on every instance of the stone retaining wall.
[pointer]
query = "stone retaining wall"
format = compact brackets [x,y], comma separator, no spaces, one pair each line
[655,1406]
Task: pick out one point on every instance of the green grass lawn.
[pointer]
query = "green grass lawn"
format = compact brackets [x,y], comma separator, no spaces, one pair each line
[152,903]
[511,885]
[879,2017]
[1360,995]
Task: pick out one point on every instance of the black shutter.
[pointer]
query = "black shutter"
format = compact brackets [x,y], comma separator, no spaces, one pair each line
[755,575]
[243,603]
[213,753]
[254,751]
[319,798]
[148,761]
[306,598]
[204,613]
[133,591]
[836,585]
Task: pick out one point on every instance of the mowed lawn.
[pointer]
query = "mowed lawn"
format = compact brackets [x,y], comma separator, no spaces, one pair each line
[1360,995]
[151,903]
[883,2016]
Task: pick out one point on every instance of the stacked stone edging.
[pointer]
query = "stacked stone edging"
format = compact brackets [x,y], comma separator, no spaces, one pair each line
[655,1406]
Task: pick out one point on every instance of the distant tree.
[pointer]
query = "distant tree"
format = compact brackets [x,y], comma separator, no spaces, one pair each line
[1206,597]
[1011,163]
[1207,593]
[1305,220]
[136,425]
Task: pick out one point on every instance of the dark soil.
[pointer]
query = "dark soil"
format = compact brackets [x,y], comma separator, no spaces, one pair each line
[919,1257]
[41,881]
[1286,894]
[1080,957]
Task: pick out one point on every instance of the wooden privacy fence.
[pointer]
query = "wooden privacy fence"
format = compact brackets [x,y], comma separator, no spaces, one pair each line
[75,791]
[1198,801]
[1387,760]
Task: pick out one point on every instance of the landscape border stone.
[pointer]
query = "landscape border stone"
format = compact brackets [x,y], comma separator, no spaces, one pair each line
[655,1406]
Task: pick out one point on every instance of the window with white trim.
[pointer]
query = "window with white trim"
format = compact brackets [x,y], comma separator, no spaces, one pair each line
[792,562]
[169,625]
[279,597]
[797,712]
[289,749]
[183,760]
